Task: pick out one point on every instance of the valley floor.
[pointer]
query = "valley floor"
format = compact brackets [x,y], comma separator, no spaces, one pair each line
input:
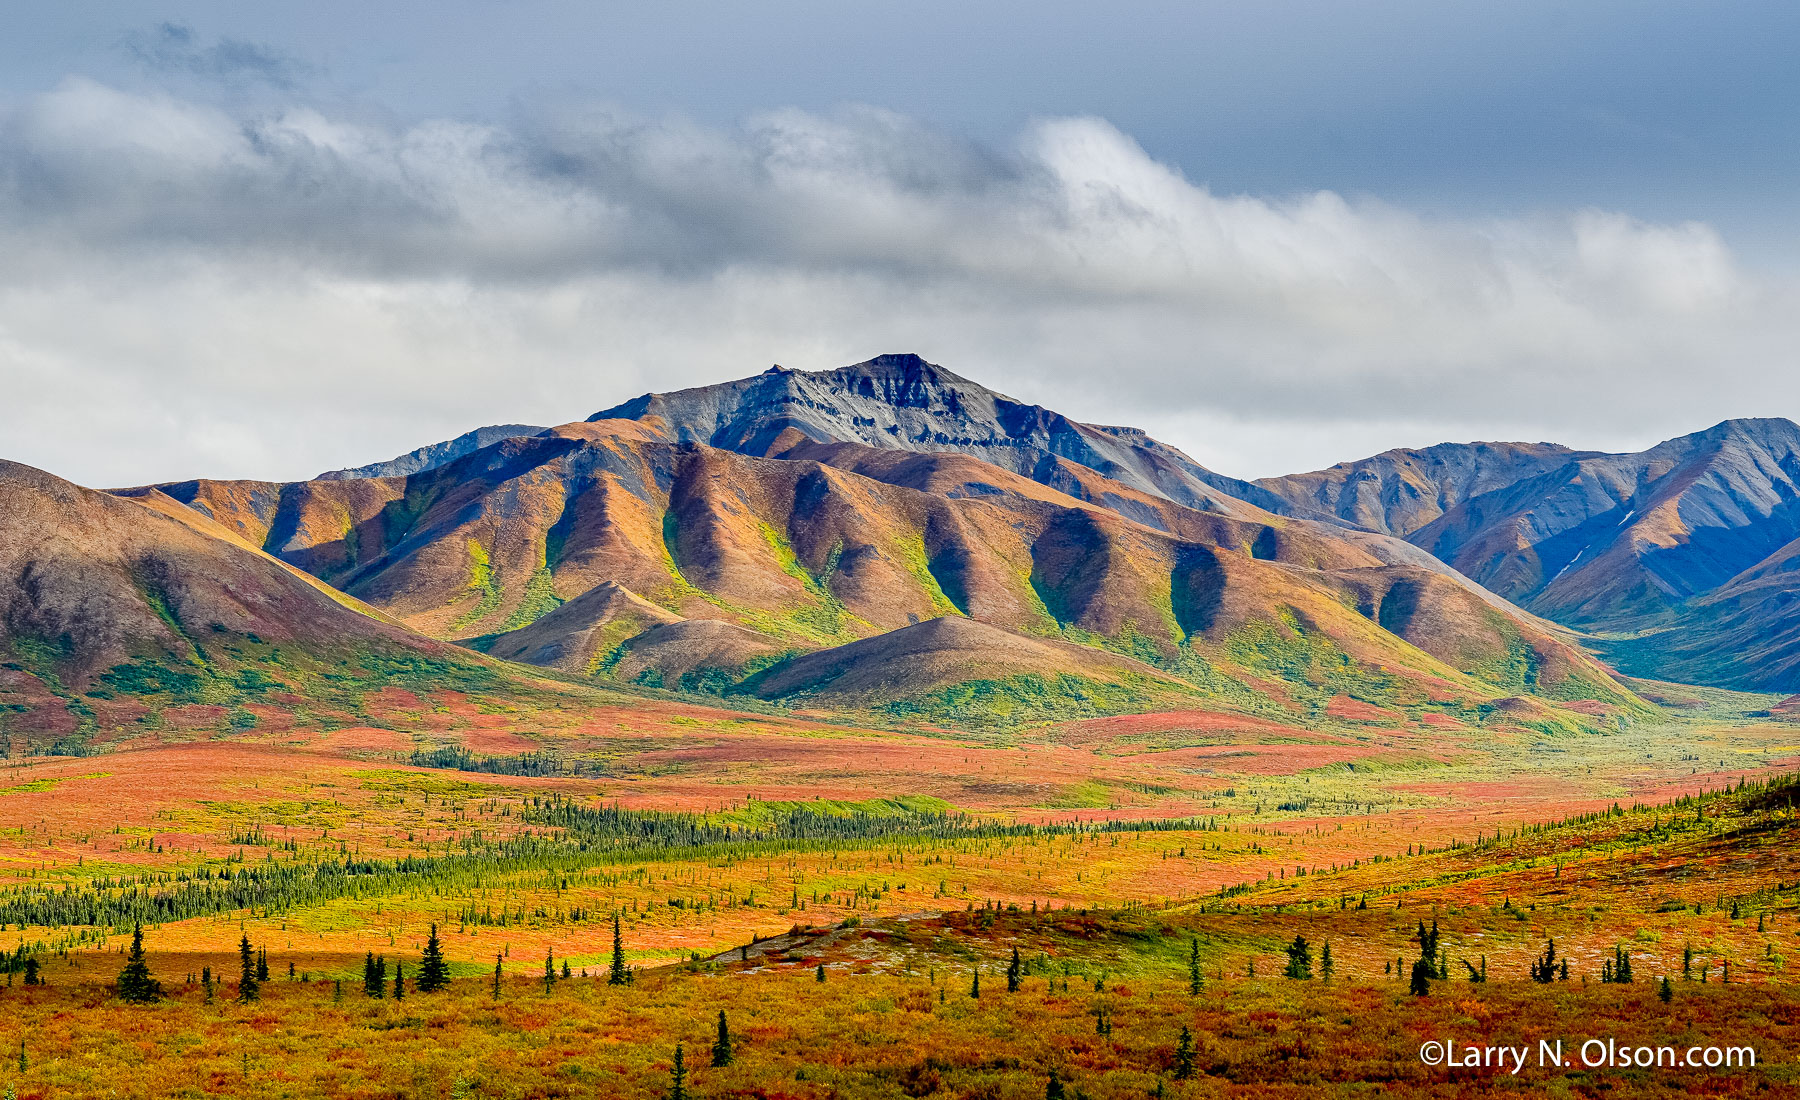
[746,855]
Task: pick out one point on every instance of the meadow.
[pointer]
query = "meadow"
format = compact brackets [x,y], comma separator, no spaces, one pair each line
[852,896]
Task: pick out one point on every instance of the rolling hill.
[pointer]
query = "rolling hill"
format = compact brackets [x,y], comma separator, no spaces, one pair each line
[117,609]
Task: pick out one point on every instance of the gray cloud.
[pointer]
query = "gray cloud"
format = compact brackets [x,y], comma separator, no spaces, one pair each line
[174,49]
[185,290]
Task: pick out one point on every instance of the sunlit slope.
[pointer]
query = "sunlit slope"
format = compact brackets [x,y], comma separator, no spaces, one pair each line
[115,608]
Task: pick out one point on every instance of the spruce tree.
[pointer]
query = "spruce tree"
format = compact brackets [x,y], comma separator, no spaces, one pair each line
[678,1076]
[496,976]
[1053,1088]
[617,975]
[399,981]
[1013,970]
[549,972]
[434,972]
[975,986]
[1184,1055]
[820,973]
[1299,966]
[1422,973]
[1543,971]
[1194,969]
[135,983]
[248,990]
[1666,991]
[262,965]
[1326,966]
[721,1051]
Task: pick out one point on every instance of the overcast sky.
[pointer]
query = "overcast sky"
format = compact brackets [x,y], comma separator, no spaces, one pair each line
[243,242]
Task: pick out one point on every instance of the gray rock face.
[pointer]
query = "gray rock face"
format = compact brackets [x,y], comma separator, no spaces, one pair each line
[436,454]
[903,402]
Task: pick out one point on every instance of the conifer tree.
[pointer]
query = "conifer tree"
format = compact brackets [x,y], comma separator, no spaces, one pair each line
[496,976]
[721,1051]
[1194,969]
[1299,966]
[678,1076]
[1326,966]
[135,983]
[1666,991]
[262,965]
[549,971]
[1543,971]
[31,972]
[434,972]
[1053,1088]
[1184,1055]
[975,986]
[1422,973]
[821,972]
[617,975]
[399,981]
[1013,970]
[248,990]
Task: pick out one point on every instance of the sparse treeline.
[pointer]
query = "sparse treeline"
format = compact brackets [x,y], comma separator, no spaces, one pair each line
[525,764]
[576,837]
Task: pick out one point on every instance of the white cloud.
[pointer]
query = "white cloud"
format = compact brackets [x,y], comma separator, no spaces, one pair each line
[184,292]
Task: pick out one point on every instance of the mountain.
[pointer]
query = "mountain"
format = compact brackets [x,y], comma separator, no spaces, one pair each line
[114,608]
[434,455]
[634,546]
[903,402]
[1399,491]
[1690,539]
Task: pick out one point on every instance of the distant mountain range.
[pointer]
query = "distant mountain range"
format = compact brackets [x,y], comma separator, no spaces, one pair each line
[1682,556]
[893,537]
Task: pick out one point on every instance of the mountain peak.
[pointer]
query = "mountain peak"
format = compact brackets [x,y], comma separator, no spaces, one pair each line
[901,401]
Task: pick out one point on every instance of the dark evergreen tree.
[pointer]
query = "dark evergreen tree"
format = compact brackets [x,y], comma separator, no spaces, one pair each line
[1184,1055]
[434,972]
[678,1076]
[248,990]
[975,985]
[821,972]
[1543,970]
[1299,966]
[1014,970]
[1053,1088]
[721,1051]
[1666,991]
[549,971]
[1422,973]
[135,983]
[496,977]
[618,974]
[1194,969]
[1326,966]
[399,981]
[262,965]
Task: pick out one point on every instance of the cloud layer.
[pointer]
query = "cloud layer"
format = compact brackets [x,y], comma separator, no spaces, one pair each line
[185,291]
